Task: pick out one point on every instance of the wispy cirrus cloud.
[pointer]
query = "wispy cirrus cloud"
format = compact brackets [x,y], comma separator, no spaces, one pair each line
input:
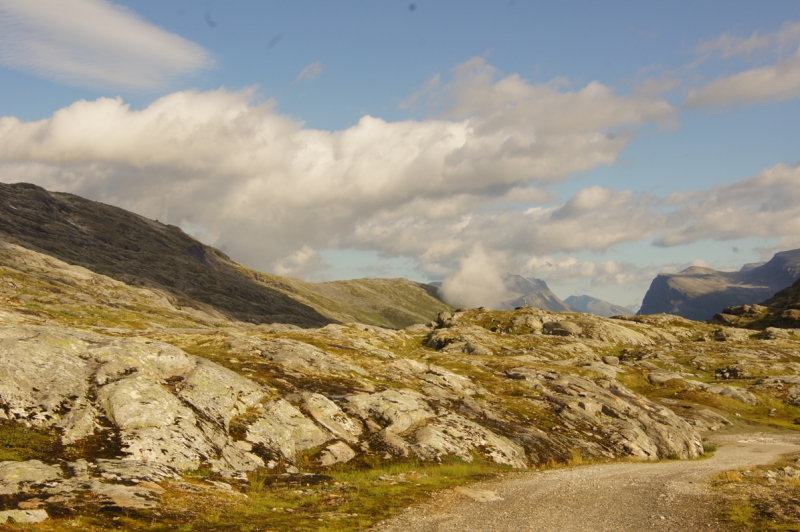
[769,83]
[777,82]
[310,72]
[94,43]
[731,45]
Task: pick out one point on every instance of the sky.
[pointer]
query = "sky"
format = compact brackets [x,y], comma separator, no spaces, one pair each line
[589,144]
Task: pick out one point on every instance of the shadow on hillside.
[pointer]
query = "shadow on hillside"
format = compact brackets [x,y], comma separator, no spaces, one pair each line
[142,252]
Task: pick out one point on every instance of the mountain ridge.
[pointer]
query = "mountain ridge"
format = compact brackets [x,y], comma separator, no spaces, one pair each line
[699,293]
[532,293]
[598,307]
[143,252]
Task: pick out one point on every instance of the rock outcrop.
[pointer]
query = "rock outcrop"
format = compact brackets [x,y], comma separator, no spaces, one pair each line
[161,405]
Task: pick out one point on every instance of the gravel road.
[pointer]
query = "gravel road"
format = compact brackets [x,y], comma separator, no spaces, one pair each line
[620,497]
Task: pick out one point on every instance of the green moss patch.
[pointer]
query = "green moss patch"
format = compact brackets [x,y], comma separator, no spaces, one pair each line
[18,442]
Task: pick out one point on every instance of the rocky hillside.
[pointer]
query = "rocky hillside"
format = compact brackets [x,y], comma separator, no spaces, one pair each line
[532,293]
[700,293]
[136,393]
[142,252]
[788,298]
[598,307]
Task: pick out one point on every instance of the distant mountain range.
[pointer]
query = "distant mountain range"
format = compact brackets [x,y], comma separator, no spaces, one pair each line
[700,293]
[598,307]
[535,293]
[143,252]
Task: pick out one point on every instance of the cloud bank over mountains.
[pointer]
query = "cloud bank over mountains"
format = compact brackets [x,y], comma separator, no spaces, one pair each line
[466,192]
[235,171]
[470,183]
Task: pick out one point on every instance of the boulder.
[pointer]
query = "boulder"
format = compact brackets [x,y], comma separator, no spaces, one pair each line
[734,371]
[476,348]
[632,424]
[730,334]
[299,356]
[396,410]
[530,321]
[562,328]
[17,477]
[660,376]
[793,396]
[119,483]
[390,443]
[219,392]
[455,435]
[283,429]
[603,369]
[337,453]
[733,392]
[457,337]
[167,407]
[154,424]
[773,333]
[610,332]
[23,516]
[328,414]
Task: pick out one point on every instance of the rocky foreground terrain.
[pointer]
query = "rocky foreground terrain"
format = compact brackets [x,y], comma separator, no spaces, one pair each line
[133,404]
[149,392]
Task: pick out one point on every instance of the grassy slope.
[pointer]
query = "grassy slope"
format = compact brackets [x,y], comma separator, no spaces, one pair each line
[392,303]
[142,252]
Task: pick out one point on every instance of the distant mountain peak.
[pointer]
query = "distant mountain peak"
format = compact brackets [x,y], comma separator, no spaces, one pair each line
[751,266]
[532,293]
[598,307]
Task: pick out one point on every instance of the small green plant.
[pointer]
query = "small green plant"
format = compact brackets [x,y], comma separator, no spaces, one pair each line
[709,447]
[576,458]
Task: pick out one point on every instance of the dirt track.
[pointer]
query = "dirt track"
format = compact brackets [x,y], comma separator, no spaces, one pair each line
[620,497]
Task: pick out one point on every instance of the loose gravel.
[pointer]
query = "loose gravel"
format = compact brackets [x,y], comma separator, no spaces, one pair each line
[620,497]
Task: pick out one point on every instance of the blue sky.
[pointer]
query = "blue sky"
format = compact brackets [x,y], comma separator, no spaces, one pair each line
[590,144]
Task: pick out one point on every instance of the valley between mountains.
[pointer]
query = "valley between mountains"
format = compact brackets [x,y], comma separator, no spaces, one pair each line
[149,382]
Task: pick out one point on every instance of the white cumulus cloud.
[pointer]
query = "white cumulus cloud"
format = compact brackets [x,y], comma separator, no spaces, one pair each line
[477,282]
[274,193]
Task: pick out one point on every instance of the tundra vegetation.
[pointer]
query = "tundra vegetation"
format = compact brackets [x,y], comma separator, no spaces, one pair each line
[141,406]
